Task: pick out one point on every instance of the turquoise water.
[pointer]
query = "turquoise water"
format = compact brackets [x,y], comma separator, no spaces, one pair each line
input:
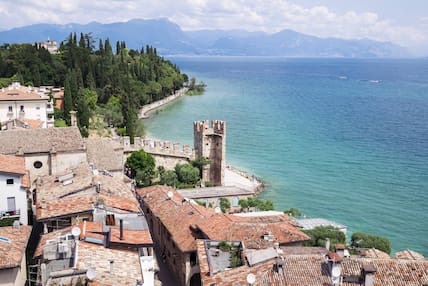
[342,139]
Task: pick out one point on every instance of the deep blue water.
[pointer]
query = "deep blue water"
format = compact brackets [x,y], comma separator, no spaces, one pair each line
[342,139]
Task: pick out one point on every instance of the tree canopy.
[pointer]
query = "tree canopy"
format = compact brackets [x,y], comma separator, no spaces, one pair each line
[319,235]
[89,75]
[141,166]
[365,240]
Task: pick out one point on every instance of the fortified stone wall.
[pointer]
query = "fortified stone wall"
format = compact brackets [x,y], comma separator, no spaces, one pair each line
[209,142]
[166,153]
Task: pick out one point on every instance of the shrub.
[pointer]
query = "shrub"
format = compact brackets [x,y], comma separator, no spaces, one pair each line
[365,240]
[319,234]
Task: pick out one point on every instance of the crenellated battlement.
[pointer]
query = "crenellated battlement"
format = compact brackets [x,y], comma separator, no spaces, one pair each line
[173,149]
[207,127]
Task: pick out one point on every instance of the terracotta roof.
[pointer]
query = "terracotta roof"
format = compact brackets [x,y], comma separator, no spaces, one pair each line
[12,245]
[65,207]
[126,265]
[374,253]
[65,139]
[252,230]
[389,272]
[15,165]
[105,153]
[12,164]
[18,92]
[409,254]
[49,236]
[32,123]
[176,214]
[137,237]
[180,217]
[83,182]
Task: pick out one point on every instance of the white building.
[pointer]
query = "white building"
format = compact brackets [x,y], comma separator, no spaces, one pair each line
[14,183]
[19,102]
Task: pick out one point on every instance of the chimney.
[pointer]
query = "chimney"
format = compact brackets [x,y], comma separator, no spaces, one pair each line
[121,229]
[111,265]
[73,118]
[368,274]
[340,250]
[334,267]
[327,244]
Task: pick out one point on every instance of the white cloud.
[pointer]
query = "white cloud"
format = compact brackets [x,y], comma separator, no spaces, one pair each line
[255,15]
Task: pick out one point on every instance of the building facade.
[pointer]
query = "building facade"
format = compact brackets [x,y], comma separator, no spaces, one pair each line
[13,188]
[19,102]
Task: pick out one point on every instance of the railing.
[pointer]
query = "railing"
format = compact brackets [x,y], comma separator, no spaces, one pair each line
[7,214]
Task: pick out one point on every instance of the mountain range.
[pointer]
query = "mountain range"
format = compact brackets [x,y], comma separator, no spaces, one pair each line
[169,39]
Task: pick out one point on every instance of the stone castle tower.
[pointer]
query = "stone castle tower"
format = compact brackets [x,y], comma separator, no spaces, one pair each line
[210,142]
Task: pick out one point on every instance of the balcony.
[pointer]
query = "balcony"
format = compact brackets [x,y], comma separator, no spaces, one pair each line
[49,108]
[10,214]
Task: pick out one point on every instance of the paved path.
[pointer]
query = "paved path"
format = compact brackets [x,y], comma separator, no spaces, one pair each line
[152,106]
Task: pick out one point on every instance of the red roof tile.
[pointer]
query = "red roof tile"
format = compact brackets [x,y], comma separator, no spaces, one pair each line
[12,245]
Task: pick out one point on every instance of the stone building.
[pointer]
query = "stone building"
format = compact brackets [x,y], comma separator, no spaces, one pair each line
[210,143]
[176,224]
[46,151]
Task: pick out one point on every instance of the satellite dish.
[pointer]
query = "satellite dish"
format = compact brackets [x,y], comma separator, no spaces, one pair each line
[335,272]
[170,195]
[251,278]
[217,210]
[90,273]
[75,231]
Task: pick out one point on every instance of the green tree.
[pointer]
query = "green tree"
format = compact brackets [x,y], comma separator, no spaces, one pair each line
[319,235]
[200,163]
[293,212]
[141,167]
[365,240]
[224,205]
[187,174]
[263,205]
[169,177]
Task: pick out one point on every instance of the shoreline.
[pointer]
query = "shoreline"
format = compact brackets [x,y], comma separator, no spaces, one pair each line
[234,175]
[143,114]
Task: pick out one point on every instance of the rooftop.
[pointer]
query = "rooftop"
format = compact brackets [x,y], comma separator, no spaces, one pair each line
[215,192]
[184,220]
[311,269]
[15,165]
[41,140]
[78,189]
[12,164]
[17,92]
[98,147]
[13,242]
[112,266]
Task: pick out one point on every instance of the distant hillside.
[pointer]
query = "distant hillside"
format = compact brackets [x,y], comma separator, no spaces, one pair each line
[170,39]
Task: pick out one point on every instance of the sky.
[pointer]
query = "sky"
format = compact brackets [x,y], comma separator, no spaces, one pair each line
[401,22]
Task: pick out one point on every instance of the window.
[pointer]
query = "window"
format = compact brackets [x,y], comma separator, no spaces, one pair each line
[9,181]
[37,107]
[21,108]
[235,201]
[38,164]
[110,220]
[10,108]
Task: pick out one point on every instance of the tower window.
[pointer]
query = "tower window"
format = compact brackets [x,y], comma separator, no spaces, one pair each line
[9,181]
